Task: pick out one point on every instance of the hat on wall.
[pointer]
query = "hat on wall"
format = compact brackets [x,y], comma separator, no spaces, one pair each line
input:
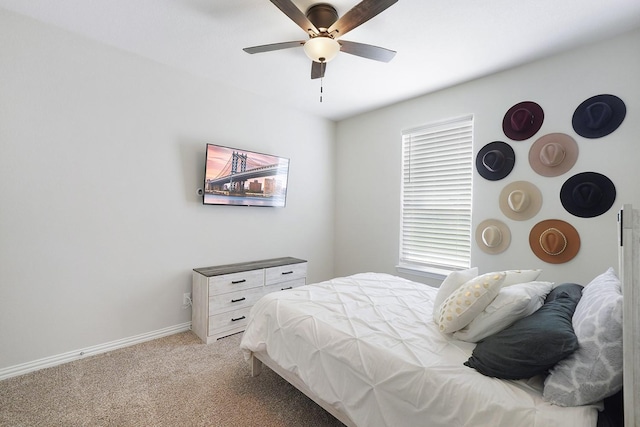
[588,194]
[554,241]
[599,116]
[522,120]
[493,236]
[520,200]
[553,154]
[495,160]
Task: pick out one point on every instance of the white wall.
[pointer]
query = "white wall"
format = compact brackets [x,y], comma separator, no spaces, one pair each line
[368,157]
[101,153]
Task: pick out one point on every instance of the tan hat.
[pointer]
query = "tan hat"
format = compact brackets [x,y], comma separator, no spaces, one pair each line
[553,154]
[554,241]
[520,200]
[493,236]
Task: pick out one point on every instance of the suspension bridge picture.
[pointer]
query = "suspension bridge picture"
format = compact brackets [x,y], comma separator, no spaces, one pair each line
[244,178]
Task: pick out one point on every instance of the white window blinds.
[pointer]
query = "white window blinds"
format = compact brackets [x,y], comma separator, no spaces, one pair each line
[436,195]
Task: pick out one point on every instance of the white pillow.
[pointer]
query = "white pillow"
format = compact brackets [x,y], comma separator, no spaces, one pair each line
[512,303]
[466,302]
[594,370]
[520,276]
[453,281]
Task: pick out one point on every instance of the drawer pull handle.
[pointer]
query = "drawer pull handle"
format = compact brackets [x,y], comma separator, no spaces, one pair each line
[235,282]
[287,272]
[284,289]
[238,318]
[238,300]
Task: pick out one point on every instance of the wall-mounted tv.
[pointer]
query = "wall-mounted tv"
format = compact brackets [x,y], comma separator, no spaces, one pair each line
[244,178]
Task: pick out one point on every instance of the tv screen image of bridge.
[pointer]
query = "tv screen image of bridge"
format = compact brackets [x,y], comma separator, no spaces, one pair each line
[246,174]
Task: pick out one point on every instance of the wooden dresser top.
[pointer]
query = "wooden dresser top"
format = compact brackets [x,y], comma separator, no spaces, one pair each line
[219,270]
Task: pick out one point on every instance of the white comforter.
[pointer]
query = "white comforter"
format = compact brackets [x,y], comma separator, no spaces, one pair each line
[367,344]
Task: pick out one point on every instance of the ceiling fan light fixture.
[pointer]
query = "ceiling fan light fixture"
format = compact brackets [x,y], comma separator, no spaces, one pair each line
[321,48]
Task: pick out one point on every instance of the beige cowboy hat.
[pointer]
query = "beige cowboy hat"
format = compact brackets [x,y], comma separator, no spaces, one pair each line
[520,200]
[493,236]
[553,154]
[554,241]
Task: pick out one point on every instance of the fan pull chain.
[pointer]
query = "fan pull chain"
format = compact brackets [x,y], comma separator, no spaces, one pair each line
[321,87]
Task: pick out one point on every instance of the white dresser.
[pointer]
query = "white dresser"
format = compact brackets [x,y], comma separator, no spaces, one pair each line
[223,295]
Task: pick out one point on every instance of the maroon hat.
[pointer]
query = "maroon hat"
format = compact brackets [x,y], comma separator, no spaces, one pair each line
[522,121]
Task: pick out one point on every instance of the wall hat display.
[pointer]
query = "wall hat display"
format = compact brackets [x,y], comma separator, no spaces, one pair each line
[520,200]
[522,121]
[495,160]
[554,241]
[553,154]
[493,236]
[598,116]
[587,194]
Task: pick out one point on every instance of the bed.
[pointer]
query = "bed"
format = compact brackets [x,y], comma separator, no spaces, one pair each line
[366,348]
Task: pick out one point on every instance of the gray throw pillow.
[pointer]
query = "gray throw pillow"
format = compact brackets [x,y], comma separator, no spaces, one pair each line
[532,345]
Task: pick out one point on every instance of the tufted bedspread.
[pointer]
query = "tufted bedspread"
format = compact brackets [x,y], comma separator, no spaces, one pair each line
[368,346]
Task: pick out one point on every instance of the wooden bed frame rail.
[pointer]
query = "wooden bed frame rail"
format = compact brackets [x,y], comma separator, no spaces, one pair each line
[629,259]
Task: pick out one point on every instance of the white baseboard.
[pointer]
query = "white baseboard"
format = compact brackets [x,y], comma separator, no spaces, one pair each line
[47,362]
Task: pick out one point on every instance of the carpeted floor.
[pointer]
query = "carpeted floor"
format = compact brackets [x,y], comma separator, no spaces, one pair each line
[172,381]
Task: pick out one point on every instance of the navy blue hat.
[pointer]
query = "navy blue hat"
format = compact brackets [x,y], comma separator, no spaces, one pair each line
[495,160]
[588,194]
[598,116]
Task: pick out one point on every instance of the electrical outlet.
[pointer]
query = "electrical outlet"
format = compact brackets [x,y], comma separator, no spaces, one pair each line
[186,299]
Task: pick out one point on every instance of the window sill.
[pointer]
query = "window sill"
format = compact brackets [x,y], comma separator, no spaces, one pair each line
[427,272]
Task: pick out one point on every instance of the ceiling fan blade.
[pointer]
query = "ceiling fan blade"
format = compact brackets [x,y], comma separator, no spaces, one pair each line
[360,14]
[291,10]
[367,51]
[318,69]
[274,46]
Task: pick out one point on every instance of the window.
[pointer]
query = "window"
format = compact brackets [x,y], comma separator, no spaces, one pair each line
[437,170]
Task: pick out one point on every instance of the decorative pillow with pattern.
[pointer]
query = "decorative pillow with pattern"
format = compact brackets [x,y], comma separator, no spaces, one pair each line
[453,281]
[512,303]
[466,302]
[594,371]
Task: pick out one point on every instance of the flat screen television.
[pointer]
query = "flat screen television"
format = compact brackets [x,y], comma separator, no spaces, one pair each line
[239,177]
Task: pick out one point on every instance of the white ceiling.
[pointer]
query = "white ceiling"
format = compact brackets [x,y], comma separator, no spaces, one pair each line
[440,43]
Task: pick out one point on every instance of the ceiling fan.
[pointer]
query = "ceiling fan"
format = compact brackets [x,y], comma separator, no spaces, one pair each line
[324,28]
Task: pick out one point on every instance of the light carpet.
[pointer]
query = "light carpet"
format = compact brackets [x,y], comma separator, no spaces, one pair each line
[172,381]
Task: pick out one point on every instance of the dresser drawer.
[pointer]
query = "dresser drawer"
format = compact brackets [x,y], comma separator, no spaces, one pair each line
[285,273]
[228,321]
[222,295]
[283,286]
[235,282]
[234,300]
